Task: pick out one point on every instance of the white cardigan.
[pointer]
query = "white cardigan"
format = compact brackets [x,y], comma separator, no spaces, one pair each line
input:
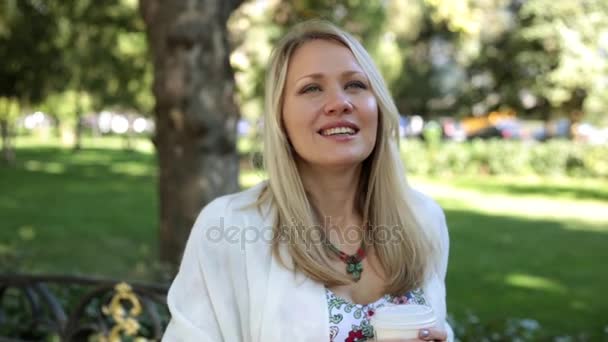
[230,288]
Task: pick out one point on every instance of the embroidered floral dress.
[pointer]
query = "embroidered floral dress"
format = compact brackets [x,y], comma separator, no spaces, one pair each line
[350,322]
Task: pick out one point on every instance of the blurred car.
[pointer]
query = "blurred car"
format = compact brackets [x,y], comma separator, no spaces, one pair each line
[552,130]
[410,126]
[452,129]
[504,129]
[591,134]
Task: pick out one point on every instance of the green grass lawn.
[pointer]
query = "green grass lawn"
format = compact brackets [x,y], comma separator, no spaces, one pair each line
[520,247]
[91,212]
[527,249]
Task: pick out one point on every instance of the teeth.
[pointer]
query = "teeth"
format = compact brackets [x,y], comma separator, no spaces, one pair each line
[338,130]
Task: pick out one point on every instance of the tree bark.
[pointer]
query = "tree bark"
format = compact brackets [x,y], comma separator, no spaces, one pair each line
[78,132]
[195,111]
[8,153]
[128,136]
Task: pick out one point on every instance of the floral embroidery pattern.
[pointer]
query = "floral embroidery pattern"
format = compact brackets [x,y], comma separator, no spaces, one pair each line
[349,322]
[412,297]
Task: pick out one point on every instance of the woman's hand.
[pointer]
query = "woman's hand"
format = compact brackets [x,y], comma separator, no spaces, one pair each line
[430,334]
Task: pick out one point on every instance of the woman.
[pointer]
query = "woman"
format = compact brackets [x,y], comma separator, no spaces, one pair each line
[335,233]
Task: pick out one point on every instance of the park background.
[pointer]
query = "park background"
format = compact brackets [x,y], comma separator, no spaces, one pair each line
[121,119]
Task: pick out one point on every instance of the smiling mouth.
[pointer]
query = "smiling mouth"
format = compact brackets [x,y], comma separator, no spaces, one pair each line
[338,131]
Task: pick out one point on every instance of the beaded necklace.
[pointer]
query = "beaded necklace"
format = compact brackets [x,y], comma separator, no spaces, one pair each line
[354,265]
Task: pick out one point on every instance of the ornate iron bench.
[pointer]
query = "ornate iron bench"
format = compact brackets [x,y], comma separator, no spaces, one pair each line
[71,308]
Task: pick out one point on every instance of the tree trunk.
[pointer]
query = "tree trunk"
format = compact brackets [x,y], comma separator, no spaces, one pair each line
[195,111]
[78,133]
[78,125]
[8,153]
[128,136]
[574,108]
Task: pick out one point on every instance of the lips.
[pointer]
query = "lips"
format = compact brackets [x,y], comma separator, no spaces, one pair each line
[339,128]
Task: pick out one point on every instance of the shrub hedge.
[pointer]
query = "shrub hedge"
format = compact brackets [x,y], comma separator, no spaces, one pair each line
[502,157]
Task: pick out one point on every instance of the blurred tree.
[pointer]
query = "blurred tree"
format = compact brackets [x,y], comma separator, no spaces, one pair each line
[9,109]
[400,35]
[540,57]
[485,49]
[573,37]
[252,31]
[363,19]
[195,112]
[423,83]
[74,57]
[104,48]
[456,58]
[30,65]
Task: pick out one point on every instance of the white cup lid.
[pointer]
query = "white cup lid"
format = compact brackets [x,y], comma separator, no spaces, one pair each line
[404,316]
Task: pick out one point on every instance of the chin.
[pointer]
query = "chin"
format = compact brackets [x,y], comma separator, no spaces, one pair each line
[343,162]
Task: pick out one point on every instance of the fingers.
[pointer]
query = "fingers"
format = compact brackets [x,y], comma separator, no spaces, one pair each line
[429,334]
[432,334]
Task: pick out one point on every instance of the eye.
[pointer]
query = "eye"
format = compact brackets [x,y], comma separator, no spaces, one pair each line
[356,84]
[311,88]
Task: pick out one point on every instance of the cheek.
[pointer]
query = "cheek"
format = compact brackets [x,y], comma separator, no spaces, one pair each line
[370,114]
[294,120]
[289,118]
[300,111]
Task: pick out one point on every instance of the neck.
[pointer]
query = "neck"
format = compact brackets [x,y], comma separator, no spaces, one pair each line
[333,192]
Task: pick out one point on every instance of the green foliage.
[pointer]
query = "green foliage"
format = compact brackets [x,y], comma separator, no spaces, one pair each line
[63,105]
[499,157]
[454,58]
[105,49]
[88,53]
[9,108]
[30,65]
[572,35]
[362,18]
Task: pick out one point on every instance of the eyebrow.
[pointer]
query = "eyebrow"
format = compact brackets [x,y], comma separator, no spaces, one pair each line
[320,75]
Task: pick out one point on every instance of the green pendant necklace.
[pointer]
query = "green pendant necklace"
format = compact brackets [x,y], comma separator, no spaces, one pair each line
[354,265]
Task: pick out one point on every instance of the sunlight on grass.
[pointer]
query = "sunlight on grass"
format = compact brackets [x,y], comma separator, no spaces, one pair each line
[139,144]
[578,305]
[530,207]
[582,224]
[26,233]
[132,169]
[534,282]
[48,167]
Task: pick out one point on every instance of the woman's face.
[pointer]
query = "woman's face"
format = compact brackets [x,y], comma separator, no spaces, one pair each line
[329,110]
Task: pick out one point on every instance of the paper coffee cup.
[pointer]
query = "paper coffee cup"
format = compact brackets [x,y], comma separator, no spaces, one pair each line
[401,321]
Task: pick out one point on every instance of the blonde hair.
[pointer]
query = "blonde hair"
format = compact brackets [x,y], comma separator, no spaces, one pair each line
[382,194]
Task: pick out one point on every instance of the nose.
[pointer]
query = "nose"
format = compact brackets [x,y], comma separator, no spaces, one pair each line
[338,103]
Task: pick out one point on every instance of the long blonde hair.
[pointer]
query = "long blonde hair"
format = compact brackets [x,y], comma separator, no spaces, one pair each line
[383,194]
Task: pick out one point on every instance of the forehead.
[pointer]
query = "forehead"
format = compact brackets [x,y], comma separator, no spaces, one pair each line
[323,57]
